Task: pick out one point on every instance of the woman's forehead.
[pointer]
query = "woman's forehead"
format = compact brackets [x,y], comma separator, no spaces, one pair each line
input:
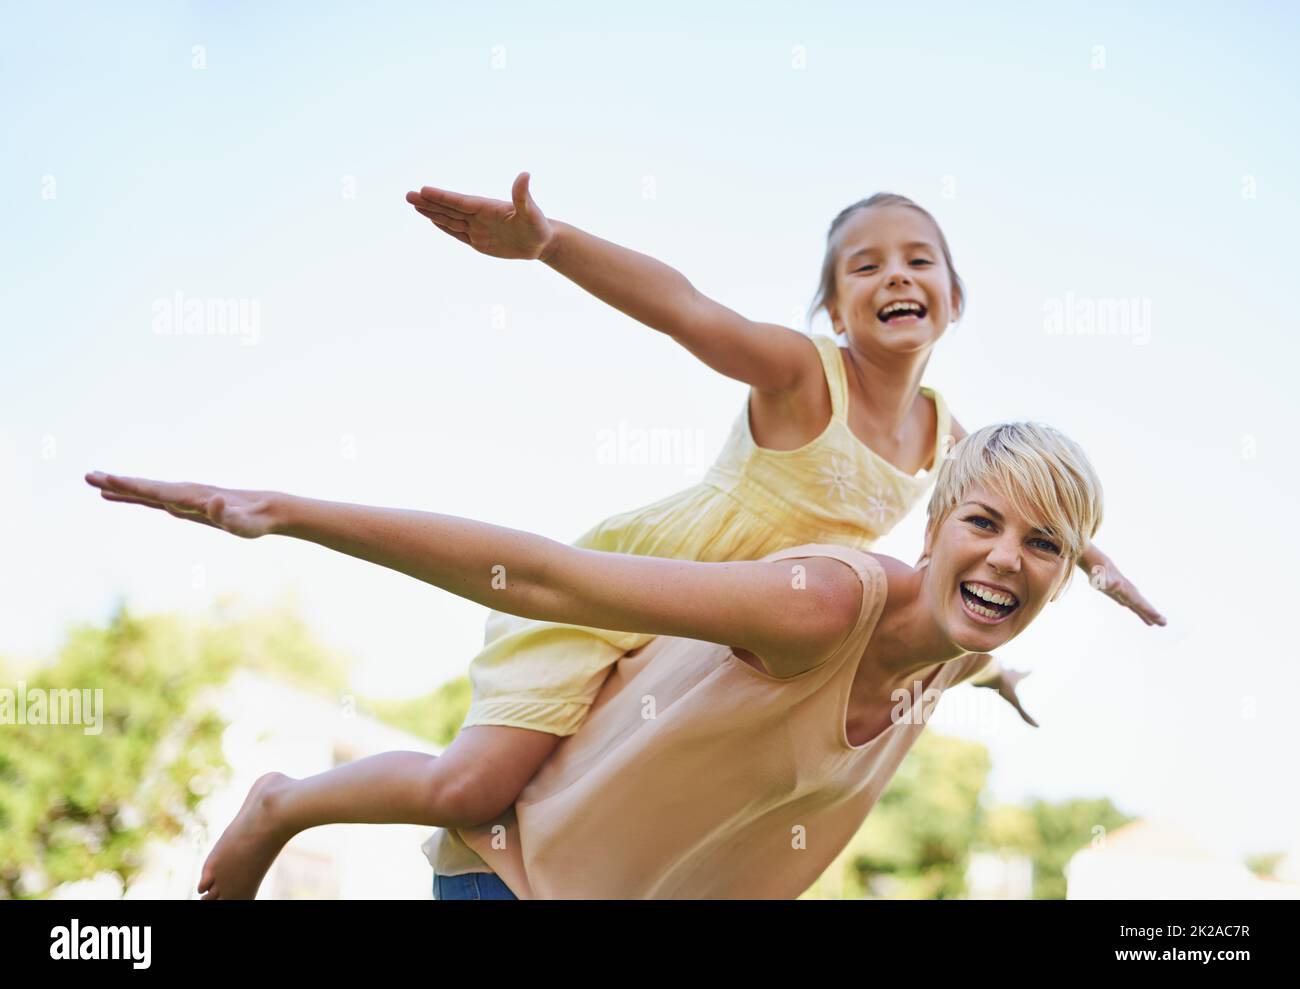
[999,505]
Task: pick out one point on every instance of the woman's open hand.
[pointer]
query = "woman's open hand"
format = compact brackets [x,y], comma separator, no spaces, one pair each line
[500,229]
[243,513]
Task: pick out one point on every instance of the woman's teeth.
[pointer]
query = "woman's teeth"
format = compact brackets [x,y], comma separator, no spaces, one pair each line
[986,602]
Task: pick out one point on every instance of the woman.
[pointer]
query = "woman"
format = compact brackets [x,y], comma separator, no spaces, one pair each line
[737,753]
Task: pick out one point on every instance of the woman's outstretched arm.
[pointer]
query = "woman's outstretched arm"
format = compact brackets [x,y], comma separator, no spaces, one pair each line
[791,618]
[770,357]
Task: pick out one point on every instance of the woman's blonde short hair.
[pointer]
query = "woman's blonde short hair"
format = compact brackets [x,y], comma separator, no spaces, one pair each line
[1040,470]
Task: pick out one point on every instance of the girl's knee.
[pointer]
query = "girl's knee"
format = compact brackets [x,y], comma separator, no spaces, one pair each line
[481,774]
[474,798]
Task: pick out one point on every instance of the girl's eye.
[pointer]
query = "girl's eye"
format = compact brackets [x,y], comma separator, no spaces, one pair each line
[868,267]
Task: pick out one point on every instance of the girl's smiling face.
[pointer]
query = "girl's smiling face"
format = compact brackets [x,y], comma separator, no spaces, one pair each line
[890,255]
[991,571]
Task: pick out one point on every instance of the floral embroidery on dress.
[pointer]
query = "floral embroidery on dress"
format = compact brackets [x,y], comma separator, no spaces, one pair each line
[838,476]
[879,507]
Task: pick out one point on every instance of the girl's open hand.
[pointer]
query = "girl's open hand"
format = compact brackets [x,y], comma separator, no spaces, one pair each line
[1005,685]
[1007,691]
[242,513]
[1107,579]
[515,229]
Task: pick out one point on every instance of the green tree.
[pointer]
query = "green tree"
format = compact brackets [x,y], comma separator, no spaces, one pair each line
[1064,828]
[72,804]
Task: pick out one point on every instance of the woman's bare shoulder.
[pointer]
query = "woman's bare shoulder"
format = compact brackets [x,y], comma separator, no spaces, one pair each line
[892,566]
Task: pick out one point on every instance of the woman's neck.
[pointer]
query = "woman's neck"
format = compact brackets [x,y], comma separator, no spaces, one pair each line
[907,639]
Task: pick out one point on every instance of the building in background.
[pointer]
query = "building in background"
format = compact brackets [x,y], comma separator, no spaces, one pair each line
[1000,876]
[1150,860]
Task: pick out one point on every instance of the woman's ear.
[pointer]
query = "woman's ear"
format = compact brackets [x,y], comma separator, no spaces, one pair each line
[926,550]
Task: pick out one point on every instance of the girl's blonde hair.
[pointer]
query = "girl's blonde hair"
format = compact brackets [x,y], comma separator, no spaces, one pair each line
[826,289]
[1043,473]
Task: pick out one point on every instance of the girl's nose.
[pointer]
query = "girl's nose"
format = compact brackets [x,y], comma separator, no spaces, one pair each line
[898,278]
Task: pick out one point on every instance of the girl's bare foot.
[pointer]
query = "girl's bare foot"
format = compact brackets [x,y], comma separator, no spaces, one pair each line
[246,849]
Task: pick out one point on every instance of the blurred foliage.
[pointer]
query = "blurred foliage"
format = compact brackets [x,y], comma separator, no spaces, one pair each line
[1062,829]
[437,716]
[1265,864]
[72,804]
[917,841]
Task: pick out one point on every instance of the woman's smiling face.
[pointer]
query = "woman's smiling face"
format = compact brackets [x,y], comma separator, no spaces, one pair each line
[893,286]
[991,571]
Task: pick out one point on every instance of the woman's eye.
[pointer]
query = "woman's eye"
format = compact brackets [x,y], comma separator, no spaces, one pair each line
[1046,544]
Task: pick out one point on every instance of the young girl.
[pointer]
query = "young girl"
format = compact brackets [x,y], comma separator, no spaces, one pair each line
[774,701]
[834,446]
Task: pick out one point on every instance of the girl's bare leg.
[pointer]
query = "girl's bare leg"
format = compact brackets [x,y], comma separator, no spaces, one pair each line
[475,780]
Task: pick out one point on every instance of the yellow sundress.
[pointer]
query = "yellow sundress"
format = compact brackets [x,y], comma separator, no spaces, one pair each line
[751,502]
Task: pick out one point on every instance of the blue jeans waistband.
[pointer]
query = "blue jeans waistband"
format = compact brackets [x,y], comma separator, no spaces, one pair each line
[471,886]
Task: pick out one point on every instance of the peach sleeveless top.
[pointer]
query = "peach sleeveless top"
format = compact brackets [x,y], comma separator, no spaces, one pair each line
[698,776]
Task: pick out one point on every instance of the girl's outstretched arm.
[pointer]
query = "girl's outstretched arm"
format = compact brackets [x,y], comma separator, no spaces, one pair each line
[1106,577]
[994,676]
[791,624]
[767,356]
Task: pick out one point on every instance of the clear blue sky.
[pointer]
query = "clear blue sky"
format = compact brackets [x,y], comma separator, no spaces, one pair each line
[1080,154]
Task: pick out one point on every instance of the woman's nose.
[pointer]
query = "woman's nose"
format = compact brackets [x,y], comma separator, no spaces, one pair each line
[1005,558]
